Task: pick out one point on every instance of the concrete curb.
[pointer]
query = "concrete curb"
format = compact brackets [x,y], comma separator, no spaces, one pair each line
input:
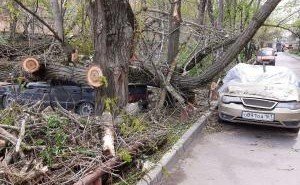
[155,175]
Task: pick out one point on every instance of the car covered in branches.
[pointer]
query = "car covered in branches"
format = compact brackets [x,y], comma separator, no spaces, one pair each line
[260,95]
[70,96]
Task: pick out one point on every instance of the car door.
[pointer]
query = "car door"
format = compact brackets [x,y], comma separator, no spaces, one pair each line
[33,95]
[75,96]
[67,96]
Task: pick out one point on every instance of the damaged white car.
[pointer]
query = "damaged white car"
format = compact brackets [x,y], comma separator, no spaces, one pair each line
[263,95]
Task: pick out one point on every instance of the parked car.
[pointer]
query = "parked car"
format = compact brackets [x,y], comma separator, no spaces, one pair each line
[250,95]
[266,56]
[81,99]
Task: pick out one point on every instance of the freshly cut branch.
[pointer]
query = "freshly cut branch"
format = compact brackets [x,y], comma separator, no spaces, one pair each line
[109,135]
[79,75]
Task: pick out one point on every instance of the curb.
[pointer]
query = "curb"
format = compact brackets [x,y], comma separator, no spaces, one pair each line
[155,175]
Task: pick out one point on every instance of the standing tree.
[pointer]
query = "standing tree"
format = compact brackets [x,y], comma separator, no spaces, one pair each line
[58,18]
[112,27]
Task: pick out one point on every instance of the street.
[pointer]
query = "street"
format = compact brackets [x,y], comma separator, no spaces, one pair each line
[240,154]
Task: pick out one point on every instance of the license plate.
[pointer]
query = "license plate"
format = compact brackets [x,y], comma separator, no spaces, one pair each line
[258,116]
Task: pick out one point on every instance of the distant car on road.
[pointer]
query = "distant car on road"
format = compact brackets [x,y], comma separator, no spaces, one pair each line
[266,56]
[250,95]
[81,99]
[279,47]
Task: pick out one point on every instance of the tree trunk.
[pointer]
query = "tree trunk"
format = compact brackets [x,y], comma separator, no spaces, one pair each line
[201,11]
[174,30]
[13,22]
[112,27]
[210,12]
[257,21]
[201,54]
[221,14]
[38,70]
[58,18]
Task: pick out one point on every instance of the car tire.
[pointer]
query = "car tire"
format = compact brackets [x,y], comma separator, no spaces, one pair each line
[294,130]
[86,109]
[143,104]
[7,101]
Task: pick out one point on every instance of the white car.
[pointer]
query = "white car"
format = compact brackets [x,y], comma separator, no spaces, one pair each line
[251,95]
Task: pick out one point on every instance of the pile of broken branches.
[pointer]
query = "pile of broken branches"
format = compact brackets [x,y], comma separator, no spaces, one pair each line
[54,146]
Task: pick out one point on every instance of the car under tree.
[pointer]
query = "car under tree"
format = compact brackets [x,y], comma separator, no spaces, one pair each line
[70,96]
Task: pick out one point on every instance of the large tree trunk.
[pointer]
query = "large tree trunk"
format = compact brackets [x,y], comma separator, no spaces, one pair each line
[112,27]
[174,30]
[37,70]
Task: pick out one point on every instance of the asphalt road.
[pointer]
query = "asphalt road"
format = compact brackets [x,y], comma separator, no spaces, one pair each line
[242,154]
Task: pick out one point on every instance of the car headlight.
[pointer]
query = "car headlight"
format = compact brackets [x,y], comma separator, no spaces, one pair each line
[289,105]
[231,99]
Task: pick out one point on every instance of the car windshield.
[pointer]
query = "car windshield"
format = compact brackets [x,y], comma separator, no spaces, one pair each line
[265,53]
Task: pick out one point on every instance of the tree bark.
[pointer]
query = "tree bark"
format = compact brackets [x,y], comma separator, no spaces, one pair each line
[58,18]
[37,70]
[221,14]
[112,27]
[174,30]
[201,54]
[13,22]
[210,12]
[109,135]
[201,11]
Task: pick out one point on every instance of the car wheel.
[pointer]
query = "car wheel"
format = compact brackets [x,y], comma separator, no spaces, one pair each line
[294,130]
[7,101]
[86,109]
[143,105]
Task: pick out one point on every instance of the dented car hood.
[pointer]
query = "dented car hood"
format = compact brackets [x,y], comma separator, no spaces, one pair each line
[272,92]
[276,83]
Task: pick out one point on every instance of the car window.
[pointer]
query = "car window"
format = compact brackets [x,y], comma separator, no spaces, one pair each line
[265,53]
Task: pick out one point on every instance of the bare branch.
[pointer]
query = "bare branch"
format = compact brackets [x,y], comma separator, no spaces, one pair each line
[40,19]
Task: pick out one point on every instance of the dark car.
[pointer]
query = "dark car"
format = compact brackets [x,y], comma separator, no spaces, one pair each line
[81,99]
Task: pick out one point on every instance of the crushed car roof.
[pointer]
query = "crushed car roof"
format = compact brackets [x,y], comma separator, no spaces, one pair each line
[251,80]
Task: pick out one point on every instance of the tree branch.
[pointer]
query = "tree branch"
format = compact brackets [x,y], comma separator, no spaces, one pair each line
[40,19]
[282,27]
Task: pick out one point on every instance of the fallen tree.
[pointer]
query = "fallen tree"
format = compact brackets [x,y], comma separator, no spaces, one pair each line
[52,71]
[145,73]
